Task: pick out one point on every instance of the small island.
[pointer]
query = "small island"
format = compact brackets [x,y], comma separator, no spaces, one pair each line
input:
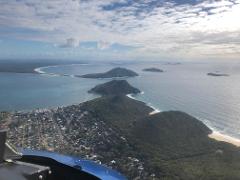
[114,87]
[173,63]
[153,70]
[113,73]
[217,74]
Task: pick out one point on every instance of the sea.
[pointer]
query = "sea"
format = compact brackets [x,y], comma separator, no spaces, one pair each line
[183,87]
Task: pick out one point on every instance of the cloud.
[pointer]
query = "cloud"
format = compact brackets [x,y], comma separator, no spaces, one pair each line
[70,42]
[103,45]
[157,28]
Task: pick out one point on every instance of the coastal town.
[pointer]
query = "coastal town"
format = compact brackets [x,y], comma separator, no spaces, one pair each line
[74,131]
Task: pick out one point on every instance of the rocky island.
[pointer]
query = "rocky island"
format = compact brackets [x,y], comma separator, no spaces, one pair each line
[119,132]
[114,87]
[217,74]
[114,73]
[153,70]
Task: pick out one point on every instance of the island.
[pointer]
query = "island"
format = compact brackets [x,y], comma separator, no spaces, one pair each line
[121,133]
[153,70]
[217,74]
[114,87]
[113,73]
[173,63]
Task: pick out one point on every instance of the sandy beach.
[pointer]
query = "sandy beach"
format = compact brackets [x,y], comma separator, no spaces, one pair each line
[225,138]
[155,110]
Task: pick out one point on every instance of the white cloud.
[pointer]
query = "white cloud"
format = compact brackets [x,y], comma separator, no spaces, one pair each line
[70,42]
[210,27]
[103,45]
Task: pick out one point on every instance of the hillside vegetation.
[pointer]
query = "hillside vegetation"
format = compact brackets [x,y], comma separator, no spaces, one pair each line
[173,145]
[114,87]
[113,73]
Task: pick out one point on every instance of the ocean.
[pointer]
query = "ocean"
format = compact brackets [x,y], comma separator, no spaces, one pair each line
[184,87]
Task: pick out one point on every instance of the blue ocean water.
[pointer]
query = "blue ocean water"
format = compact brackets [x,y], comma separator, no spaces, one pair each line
[20,91]
[184,87]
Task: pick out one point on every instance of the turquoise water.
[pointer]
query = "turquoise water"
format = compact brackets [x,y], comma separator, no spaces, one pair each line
[185,87]
[30,91]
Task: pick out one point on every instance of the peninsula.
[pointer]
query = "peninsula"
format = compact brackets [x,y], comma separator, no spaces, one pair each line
[21,66]
[113,73]
[119,132]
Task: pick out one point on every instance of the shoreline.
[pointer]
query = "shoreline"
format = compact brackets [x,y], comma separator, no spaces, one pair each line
[155,110]
[216,135]
[40,71]
[224,138]
[219,136]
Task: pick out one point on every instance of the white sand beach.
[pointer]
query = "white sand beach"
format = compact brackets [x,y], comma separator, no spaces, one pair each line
[225,138]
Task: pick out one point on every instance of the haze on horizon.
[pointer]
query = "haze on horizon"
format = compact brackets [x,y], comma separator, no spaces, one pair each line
[120,29]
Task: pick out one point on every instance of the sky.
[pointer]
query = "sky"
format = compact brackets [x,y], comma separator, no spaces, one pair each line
[120,29]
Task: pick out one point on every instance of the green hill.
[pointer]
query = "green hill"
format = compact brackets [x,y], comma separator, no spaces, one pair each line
[173,145]
[114,87]
[116,72]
